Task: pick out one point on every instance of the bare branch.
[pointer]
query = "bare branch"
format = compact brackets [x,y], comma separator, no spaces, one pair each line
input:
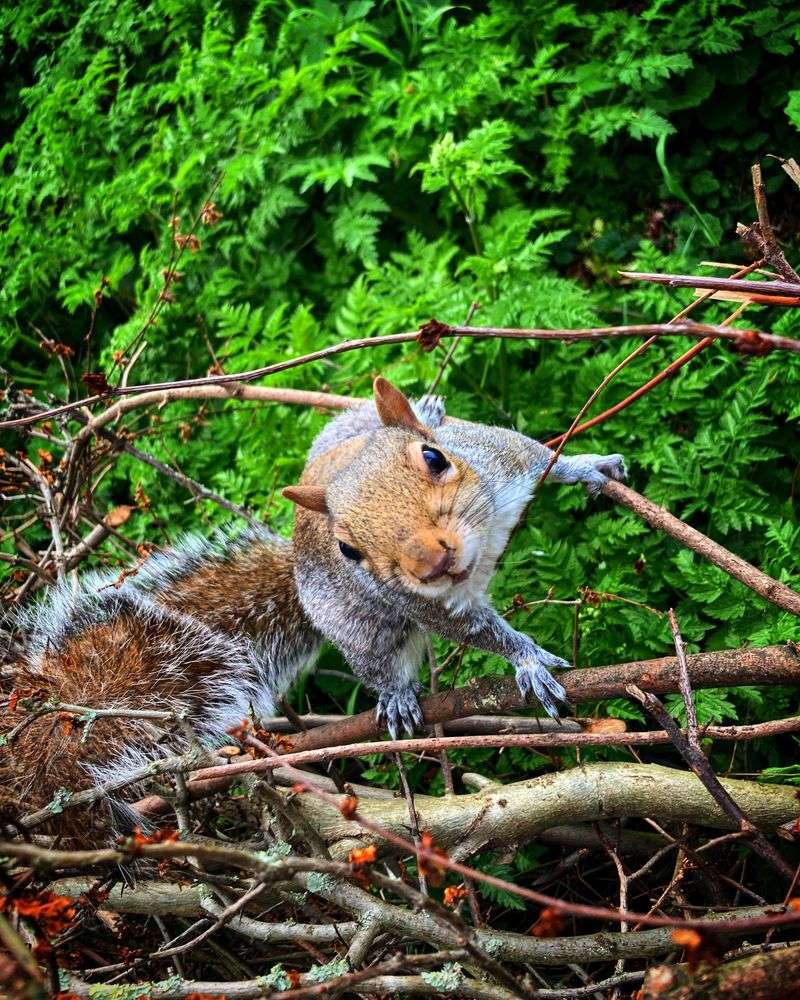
[698,330]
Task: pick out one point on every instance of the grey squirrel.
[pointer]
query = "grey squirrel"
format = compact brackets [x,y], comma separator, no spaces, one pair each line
[401,516]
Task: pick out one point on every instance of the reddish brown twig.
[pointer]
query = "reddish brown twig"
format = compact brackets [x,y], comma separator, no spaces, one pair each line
[525,741]
[699,330]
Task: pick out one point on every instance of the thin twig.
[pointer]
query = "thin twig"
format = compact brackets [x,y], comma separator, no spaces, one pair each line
[748,338]
[528,741]
[413,819]
[702,768]
[685,684]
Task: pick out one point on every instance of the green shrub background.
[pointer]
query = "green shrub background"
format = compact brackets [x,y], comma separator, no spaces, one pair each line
[352,141]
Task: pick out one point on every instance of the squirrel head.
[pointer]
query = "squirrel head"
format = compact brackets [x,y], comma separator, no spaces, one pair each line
[398,505]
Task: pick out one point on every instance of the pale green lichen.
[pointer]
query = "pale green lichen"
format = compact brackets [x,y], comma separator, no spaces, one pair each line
[122,991]
[331,970]
[275,980]
[132,991]
[491,945]
[320,882]
[275,854]
[447,979]
[59,800]
[169,986]
[88,720]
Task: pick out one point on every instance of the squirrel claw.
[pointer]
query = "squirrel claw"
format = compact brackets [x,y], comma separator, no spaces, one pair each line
[604,467]
[398,708]
[534,679]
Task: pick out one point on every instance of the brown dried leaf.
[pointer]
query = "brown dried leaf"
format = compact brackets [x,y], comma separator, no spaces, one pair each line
[430,334]
[118,515]
[96,382]
[549,925]
[605,726]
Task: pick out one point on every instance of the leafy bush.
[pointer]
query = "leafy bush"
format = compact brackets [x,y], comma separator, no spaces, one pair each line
[380,163]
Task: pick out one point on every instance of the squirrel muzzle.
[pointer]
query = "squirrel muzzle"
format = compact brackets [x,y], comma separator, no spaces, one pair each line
[431,555]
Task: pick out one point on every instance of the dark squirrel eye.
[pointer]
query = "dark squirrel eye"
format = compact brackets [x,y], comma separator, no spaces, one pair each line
[434,459]
[349,552]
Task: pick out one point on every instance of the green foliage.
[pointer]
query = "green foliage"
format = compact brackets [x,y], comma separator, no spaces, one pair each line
[382,163]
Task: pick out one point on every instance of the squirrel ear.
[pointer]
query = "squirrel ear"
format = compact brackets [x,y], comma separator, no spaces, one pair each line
[395,410]
[311,497]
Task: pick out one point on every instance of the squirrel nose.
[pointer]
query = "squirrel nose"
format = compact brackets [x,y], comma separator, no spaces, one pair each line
[442,564]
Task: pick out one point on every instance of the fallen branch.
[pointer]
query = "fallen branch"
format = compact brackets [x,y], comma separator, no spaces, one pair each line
[517,812]
[164,898]
[605,790]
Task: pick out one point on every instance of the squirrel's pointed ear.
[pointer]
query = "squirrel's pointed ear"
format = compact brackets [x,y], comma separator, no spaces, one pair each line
[309,496]
[395,410]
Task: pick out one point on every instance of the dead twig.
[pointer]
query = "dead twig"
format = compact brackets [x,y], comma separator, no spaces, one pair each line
[700,765]
[761,236]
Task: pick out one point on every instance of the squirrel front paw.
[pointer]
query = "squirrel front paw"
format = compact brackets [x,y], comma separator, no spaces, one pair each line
[400,707]
[599,468]
[534,678]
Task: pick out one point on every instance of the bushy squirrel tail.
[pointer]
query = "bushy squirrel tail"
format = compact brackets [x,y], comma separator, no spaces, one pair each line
[99,648]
